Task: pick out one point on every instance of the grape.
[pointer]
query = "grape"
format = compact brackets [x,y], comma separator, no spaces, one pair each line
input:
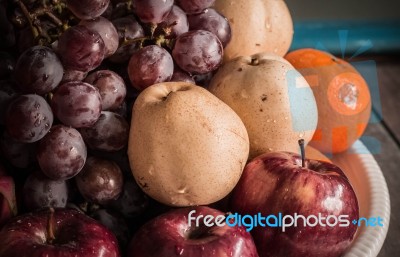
[128,29]
[38,70]
[132,201]
[61,153]
[100,181]
[7,94]
[20,155]
[180,75]
[81,48]
[111,88]
[114,222]
[107,31]
[28,118]
[152,11]
[77,104]
[7,64]
[110,133]
[122,110]
[195,6]
[198,52]
[150,65]
[42,192]
[87,9]
[212,21]
[73,75]
[176,21]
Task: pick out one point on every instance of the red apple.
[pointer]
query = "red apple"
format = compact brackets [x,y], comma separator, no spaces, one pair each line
[59,233]
[171,234]
[8,205]
[276,183]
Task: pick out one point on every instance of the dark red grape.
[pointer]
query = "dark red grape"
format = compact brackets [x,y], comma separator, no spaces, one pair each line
[41,192]
[110,133]
[114,222]
[76,104]
[7,94]
[195,6]
[180,75]
[212,21]
[7,64]
[81,48]
[128,30]
[28,118]
[61,153]
[132,201]
[73,75]
[38,70]
[150,65]
[87,9]
[20,155]
[111,87]
[198,52]
[100,181]
[176,22]
[152,11]
[106,30]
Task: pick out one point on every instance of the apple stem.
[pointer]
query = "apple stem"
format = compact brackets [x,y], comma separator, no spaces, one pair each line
[50,226]
[302,151]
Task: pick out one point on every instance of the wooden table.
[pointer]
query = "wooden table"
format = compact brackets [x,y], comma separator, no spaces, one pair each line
[387,131]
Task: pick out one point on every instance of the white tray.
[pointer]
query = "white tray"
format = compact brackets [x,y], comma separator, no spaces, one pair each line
[373,197]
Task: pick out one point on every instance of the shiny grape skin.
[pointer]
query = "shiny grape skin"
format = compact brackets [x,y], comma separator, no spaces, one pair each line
[114,222]
[195,6]
[73,75]
[40,192]
[177,22]
[7,64]
[100,181]
[106,30]
[212,21]
[132,201]
[198,52]
[20,155]
[128,29]
[180,75]
[110,133]
[87,9]
[7,94]
[62,153]
[28,118]
[38,70]
[76,104]
[81,48]
[111,87]
[152,11]
[150,65]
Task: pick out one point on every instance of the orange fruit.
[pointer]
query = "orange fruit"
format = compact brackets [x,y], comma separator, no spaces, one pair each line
[342,96]
[314,154]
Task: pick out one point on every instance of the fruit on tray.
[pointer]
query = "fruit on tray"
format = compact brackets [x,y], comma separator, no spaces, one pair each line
[60,232]
[257,26]
[314,154]
[186,147]
[171,234]
[8,204]
[273,100]
[342,95]
[280,184]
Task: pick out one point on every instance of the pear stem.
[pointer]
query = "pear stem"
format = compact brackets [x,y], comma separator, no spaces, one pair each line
[302,151]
